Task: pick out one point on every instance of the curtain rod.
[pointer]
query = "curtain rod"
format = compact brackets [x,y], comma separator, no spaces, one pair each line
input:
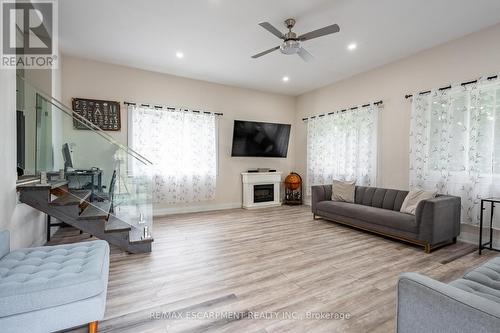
[344,110]
[463,84]
[172,109]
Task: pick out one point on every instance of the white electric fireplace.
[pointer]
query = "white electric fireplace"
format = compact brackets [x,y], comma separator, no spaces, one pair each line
[261,189]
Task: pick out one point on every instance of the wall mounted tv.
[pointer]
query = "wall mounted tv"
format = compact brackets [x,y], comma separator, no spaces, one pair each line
[251,138]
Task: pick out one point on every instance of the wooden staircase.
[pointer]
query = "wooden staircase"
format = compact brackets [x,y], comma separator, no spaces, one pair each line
[73,207]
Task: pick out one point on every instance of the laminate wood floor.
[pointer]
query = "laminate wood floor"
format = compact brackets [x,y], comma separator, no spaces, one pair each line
[277,264]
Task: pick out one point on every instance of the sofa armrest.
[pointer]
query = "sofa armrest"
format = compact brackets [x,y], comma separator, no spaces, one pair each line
[427,305]
[320,193]
[439,219]
[4,243]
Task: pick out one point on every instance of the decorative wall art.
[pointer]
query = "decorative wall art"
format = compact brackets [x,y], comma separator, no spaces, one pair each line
[103,114]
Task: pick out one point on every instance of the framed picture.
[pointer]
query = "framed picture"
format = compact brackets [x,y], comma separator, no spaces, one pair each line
[103,114]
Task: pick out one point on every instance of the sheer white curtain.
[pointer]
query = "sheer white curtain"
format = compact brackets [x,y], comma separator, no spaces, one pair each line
[182,147]
[343,145]
[455,143]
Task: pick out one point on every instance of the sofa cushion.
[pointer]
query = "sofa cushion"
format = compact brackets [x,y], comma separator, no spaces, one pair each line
[385,217]
[413,198]
[477,289]
[487,274]
[380,197]
[343,190]
[43,277]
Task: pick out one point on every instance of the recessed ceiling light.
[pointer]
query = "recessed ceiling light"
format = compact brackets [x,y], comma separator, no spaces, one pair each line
[285,78]
[179,55]
[352,46]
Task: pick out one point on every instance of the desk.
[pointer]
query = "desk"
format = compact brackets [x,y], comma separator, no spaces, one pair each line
[94,175]
[487,245]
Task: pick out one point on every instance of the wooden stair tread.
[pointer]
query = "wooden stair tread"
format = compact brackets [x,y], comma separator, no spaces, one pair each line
[73,197]
[37,185]
[69,203]
[96,211]
[114,224]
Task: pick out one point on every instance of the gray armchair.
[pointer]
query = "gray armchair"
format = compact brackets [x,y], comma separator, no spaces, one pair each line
[469,304]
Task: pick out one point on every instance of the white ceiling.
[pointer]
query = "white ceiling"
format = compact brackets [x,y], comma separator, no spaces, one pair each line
[218,37]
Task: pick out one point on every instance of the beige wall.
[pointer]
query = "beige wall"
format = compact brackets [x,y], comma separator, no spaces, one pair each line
[457,61]
[91,79]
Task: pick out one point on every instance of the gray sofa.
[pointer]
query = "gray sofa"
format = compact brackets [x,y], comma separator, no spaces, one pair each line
[469,304]
[436,222]
[51,288]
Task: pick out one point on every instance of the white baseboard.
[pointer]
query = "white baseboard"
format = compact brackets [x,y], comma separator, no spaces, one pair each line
[158,212]
[263,205]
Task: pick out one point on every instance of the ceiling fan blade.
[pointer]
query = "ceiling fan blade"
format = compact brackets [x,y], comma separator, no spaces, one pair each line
[306,56]
[265,52]
[269,27]
[331,29]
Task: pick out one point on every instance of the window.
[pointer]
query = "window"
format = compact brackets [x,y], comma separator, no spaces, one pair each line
[455,143]
[182,145]
[343,145]
[454,116]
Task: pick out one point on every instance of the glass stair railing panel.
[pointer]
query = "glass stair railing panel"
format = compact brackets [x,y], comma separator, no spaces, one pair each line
[60,143]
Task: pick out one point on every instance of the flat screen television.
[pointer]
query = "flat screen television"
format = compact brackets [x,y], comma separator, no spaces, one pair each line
[256,139]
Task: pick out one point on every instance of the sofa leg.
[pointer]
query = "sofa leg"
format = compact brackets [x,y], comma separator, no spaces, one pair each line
[454,240]
[427,248]
[93,327]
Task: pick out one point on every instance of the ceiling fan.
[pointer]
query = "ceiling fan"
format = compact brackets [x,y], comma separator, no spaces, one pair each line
[291,42]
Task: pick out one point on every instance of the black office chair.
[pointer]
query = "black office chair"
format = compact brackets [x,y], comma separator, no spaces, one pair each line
[102,196]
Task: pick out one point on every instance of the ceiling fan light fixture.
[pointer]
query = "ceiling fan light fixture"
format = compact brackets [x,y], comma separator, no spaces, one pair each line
[290,47]
[291,41]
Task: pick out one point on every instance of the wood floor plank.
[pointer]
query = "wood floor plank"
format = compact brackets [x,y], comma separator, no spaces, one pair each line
[273,260]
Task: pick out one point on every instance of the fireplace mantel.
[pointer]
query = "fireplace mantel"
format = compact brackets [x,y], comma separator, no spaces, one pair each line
[250,179]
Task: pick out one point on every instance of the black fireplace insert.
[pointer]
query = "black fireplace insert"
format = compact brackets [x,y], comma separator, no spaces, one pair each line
[263,193]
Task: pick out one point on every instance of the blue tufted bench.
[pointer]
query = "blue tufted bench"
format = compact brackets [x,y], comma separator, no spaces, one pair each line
[50,288]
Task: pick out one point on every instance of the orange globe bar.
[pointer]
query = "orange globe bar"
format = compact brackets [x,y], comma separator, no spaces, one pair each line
[292,181]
